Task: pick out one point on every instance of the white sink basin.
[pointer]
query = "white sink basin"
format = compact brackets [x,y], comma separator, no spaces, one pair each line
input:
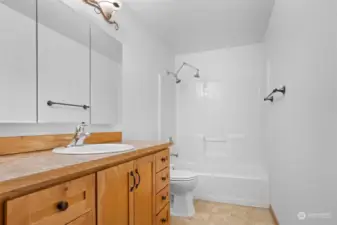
[94,149]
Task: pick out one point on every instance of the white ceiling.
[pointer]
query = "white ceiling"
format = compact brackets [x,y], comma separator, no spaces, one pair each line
[198,25]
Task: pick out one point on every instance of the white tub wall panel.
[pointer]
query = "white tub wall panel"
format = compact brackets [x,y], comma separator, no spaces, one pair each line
[225,102]
[233,190]
[190,148]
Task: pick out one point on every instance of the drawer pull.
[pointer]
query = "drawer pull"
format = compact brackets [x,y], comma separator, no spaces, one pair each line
[138,178]
[62,206]
[134,181]
[163,198]
[163,220]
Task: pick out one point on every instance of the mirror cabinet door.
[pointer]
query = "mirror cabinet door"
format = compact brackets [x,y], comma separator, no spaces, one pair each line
[18,61]
[106,60]
[49,52]
[63,63]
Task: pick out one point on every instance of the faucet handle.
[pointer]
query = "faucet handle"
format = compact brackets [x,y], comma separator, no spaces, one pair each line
[81,127]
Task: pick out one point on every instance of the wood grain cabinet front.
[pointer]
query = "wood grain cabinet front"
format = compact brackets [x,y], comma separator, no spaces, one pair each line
[131,193]
[145,191]
[115,195]
[162,160]
[163,218]
[86,219]
[162,199]
[126,193]
[58,205]
[162,179]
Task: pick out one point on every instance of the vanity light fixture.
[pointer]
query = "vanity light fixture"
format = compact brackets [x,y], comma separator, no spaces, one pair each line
[108,8]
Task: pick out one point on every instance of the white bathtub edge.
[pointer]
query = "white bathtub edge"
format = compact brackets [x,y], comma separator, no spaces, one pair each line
[237,201]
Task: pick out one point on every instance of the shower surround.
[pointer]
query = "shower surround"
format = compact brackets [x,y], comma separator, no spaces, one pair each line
[220,124]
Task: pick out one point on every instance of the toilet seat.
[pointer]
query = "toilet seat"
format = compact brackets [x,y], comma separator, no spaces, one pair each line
[182,175]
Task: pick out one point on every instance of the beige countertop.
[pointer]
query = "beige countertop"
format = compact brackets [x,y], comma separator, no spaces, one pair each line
[27,169]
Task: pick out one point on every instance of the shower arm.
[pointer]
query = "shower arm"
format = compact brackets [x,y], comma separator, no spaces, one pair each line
[186,64]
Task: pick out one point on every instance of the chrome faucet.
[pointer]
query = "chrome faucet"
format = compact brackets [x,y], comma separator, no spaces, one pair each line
[79,136]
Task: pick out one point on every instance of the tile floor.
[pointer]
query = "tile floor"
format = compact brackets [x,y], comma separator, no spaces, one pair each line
[211,213]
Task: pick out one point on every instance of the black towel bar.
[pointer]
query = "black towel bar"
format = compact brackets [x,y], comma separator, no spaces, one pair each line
[51,103]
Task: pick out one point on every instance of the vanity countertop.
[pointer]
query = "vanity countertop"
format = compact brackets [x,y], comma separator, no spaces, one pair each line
[24,170]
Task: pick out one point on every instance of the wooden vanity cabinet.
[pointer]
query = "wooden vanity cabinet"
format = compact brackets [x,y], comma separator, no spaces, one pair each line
[135,192]
[144,194]
[162,188]
[115,195]
[85,219]
[71,202]
[126,193]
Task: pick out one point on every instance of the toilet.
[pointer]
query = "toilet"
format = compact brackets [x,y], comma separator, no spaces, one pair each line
[182,183]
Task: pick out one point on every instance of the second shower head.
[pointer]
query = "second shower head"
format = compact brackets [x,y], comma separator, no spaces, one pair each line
[197,75]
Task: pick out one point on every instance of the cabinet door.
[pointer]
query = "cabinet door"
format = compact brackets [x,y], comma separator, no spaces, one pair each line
[115,195]
[144,201]
[17,62]
[64,63]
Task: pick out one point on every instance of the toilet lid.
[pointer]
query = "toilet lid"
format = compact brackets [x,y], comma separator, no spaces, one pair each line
[182,175]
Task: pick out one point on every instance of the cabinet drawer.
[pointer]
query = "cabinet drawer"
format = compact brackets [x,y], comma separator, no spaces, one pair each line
[60,204]
[86,219]
[163,218]
[162,199]
[162,160]
[162,179]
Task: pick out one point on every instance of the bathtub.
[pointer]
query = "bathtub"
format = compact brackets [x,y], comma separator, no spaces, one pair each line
[247,186]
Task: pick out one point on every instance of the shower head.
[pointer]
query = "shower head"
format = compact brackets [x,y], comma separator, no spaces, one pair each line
[178,81]
[197,75]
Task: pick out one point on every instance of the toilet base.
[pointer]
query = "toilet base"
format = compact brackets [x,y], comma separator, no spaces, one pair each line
[183,206]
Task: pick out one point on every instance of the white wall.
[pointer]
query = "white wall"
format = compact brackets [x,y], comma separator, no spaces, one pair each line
[145,56]
[224,105]
[301,128]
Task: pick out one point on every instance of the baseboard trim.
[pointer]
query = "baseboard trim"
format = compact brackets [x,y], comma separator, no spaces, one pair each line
[273,215]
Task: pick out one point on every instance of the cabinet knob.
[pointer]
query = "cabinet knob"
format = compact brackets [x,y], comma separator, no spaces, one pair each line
[163,220]
[62,206]
[163,198]
[163,178]
[163,159]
